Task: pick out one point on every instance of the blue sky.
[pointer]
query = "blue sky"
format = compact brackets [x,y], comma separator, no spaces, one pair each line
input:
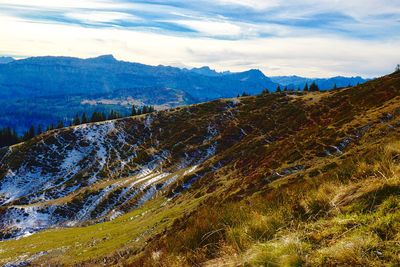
[311,38]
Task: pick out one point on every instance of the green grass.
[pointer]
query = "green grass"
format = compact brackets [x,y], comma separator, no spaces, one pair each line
[92,243]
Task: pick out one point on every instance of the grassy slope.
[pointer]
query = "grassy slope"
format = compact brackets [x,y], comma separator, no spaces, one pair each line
[341,209]
[331,210]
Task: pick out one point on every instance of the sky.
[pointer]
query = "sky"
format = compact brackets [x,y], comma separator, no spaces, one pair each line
[313,38]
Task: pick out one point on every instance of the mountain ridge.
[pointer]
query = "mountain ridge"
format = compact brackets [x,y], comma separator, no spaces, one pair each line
[6,60]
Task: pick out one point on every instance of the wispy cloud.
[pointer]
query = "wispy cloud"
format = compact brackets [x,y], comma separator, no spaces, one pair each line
[310,37]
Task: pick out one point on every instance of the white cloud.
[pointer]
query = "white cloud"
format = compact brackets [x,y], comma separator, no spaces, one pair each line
[258,33]
[66,4]
[356,8]
[309,56]
[97,16]
[254,4]
[212,28]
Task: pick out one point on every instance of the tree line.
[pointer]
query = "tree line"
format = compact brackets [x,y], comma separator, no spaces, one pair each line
[313,87]
[8,136]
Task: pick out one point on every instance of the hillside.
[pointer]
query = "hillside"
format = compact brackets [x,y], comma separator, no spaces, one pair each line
[276,179]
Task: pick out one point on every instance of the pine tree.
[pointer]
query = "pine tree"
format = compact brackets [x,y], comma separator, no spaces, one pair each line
[29,134]
[133,112]
[76,120]
[285,89]
[96,117]
[8,137]
[314,87]
[335,87]
[50,127]
[278,89]
[306,88]
[397,68]
[113,115]
[60,124]
[84,118]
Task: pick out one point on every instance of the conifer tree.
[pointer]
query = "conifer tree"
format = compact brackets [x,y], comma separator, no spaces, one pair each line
[76,120]
[133,112]
[49,127]
[306,88]
[29,134]
[278,89]
[96,117]
[60,124]
[84,118]
[8,137]
[314,87]
[113,115]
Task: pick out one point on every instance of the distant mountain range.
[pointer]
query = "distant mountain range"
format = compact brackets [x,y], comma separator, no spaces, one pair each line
[48,76]
[5,60]
[41,90]
[295,82]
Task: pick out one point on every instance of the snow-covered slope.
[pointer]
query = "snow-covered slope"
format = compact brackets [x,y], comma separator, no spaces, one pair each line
[99,171]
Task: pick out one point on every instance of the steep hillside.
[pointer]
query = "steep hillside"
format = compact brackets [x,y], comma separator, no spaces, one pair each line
[276,179]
